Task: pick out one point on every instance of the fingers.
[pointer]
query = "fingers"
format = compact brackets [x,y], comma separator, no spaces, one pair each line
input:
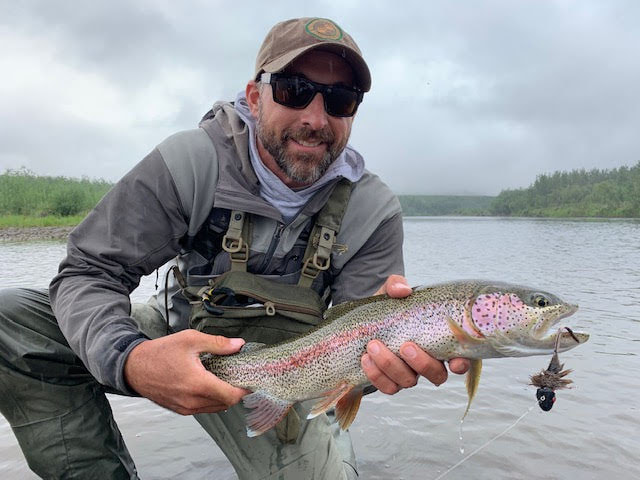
[206,394]
[377,378]
[387,372]
[390,373]
[221,391]
[168,371]
[203,342]
[423,363]
[224,345]
[220,396]
[216,396]
[459,365]
[396,286]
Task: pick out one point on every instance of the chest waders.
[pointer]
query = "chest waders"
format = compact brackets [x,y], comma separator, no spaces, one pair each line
[242,304]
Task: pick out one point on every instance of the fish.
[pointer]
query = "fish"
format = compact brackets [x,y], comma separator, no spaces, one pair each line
[475,319]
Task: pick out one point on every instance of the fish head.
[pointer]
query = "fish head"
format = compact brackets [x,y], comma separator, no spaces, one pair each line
[517,320]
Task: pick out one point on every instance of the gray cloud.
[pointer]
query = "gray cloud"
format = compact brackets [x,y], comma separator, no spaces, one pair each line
[467,98]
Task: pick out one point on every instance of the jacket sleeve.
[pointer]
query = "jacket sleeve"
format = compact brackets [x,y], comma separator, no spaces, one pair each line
[134,229]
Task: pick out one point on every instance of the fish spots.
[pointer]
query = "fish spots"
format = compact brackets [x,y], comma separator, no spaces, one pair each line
[314,364]
[485,311]
[499,312]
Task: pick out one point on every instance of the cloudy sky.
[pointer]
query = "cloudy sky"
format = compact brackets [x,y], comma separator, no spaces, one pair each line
[468,97]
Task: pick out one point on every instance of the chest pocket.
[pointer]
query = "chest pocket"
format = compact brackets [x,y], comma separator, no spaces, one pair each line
[257,308]
[241,304]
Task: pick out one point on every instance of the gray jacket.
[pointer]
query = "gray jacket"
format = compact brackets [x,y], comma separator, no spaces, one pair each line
[160,206]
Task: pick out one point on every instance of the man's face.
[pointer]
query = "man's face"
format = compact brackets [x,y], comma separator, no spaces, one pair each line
[298,145]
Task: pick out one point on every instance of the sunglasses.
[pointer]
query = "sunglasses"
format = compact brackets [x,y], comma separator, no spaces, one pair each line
[297,92]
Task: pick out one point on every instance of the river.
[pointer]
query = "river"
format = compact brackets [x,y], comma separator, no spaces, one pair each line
[591,433]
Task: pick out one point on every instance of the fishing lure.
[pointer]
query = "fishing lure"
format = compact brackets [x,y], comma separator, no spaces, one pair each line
[552,379]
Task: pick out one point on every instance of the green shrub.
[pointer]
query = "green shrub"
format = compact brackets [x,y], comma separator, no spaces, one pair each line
[69,202]
[23,193]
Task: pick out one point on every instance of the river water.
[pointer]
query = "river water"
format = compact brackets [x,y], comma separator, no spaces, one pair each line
[591,433]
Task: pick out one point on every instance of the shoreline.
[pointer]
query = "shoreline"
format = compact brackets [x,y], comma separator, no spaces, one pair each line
[28,234]
[60,233]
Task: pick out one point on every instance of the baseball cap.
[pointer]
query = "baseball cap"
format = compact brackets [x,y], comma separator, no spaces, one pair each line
[287,40]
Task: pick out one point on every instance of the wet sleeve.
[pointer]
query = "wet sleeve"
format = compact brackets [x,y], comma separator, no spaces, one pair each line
[134,229]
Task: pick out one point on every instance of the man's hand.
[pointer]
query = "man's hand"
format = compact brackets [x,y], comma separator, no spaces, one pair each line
[390,373]
[168,371]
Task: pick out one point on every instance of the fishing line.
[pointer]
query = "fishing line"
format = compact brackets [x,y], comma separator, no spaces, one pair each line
[488,442]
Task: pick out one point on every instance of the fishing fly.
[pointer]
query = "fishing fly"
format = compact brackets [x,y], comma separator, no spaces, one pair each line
[552,379]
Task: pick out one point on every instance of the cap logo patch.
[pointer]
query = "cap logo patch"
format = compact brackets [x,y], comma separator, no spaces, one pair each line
[324,29]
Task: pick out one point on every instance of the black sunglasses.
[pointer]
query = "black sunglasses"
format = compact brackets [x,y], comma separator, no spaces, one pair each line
[297,92]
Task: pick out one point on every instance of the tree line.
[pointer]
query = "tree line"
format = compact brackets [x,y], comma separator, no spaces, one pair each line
[578,193]
[436,205]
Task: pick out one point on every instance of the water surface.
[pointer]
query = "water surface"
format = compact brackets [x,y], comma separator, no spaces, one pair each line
[591,433]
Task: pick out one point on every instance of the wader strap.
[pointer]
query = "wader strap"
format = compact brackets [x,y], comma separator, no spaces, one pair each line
[317,256]
[234,242]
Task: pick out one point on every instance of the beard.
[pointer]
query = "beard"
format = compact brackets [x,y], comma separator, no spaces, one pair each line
[305,168]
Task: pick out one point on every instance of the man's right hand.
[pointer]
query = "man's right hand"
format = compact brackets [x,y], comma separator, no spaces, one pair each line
[168,371]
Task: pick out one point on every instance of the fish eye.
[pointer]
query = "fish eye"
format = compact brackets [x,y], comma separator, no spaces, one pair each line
[541,301]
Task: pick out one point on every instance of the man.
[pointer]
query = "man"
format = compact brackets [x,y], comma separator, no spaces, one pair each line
[262,172]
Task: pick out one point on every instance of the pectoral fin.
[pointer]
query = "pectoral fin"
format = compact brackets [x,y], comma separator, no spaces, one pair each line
[463,337]
[266,411]
[472,381]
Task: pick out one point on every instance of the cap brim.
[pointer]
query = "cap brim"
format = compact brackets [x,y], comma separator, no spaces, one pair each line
[353,58]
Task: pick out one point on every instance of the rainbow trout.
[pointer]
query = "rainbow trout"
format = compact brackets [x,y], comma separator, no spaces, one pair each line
[472,319]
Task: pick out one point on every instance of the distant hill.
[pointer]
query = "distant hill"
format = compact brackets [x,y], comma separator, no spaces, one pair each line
[435,205]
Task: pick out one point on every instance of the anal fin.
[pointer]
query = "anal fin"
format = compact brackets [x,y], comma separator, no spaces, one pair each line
[266,411]
[472,381]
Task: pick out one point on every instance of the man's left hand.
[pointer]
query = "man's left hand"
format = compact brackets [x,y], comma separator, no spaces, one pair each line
[390,373]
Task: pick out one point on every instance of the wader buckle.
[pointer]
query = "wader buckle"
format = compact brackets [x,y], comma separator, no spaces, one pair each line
[233,242]
[321,259]
[238,249]
[232,245]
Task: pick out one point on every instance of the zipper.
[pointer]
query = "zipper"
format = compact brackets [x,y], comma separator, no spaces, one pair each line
[272,248]
[279,306]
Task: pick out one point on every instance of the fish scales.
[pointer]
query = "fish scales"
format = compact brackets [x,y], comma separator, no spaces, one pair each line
[309,359]
[473,319]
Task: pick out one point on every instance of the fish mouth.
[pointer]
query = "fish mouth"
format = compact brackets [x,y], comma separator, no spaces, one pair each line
[563,337]
[566,339]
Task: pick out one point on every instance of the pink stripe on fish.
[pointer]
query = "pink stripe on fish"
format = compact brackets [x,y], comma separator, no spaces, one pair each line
[334,343]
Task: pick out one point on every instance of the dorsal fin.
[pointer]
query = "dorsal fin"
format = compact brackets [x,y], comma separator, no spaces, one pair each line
[252,347]
[344,308]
